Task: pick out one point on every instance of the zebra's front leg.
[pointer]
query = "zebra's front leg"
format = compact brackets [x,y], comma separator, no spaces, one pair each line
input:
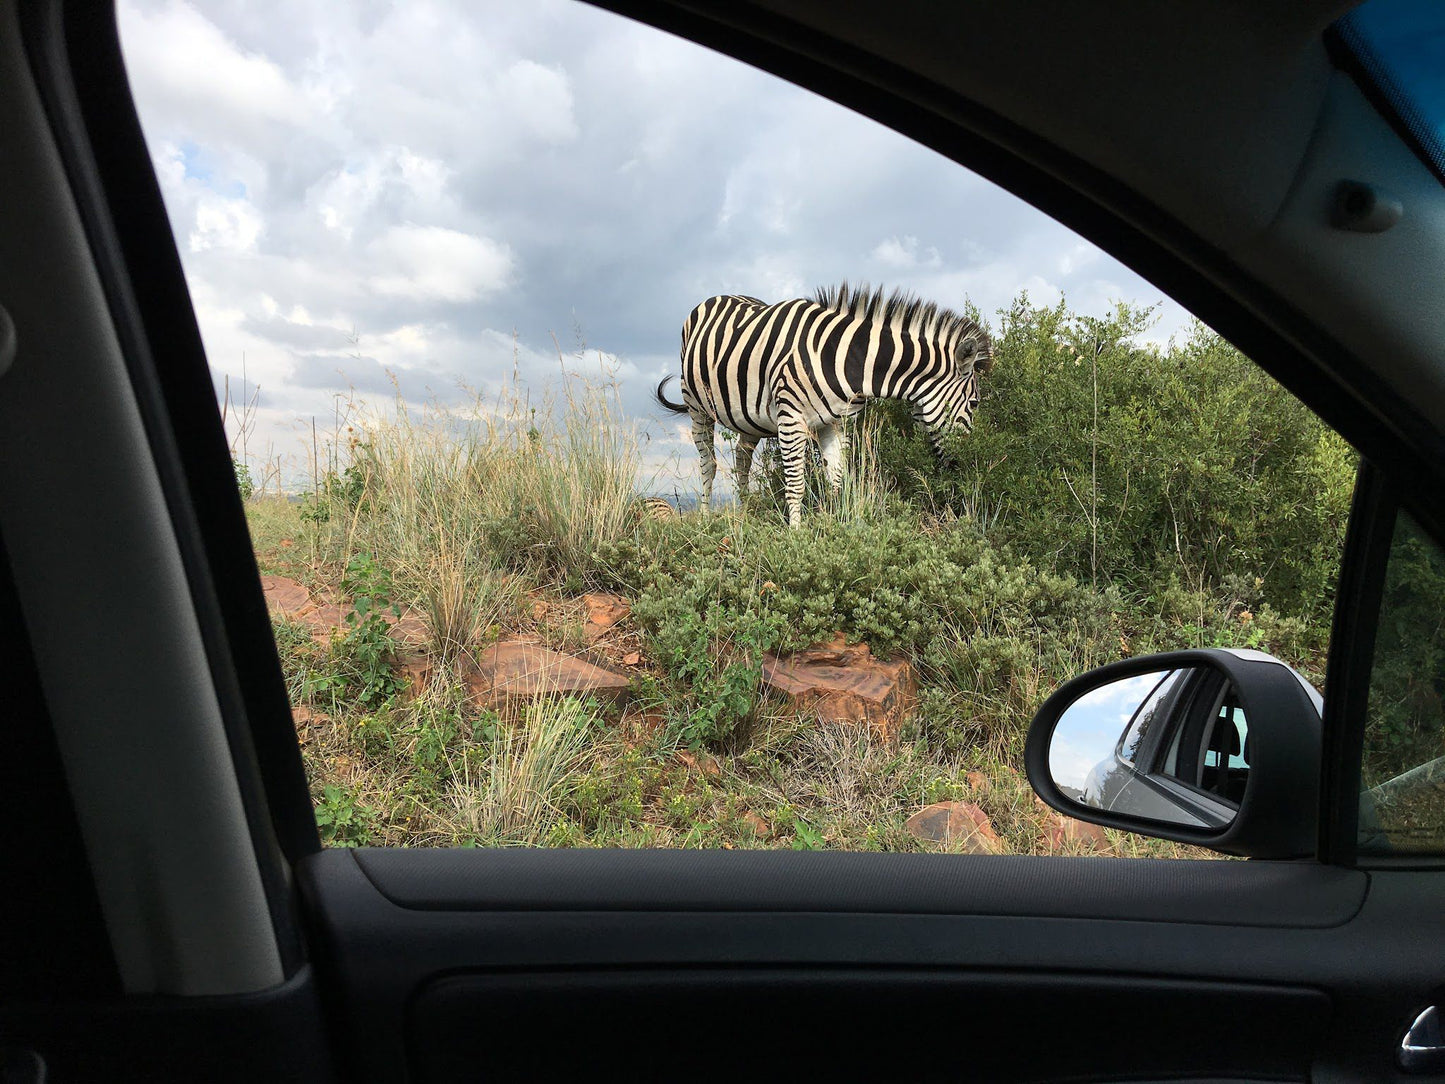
[793,443]
[743,463]
[834,442]
[702,436]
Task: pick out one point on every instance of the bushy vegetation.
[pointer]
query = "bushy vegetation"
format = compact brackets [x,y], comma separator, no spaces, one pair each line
[1124,463]
[1407,703]
[1116,498]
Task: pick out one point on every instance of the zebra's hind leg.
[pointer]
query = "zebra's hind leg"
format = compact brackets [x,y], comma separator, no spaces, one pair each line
[793,443]
[702,436]
[743,463]
[833,440]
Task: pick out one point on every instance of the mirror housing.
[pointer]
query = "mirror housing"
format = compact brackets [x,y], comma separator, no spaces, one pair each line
[1278,815]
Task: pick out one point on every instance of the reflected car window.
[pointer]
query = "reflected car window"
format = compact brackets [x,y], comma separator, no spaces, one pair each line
[1144,718]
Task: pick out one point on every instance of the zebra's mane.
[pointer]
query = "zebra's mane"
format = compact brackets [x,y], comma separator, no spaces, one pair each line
[905,312]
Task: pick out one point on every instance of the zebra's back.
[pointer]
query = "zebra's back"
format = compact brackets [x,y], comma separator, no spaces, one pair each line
[733,349]
[655,508]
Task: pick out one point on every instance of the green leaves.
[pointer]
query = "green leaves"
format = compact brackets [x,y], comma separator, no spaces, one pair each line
[245,484]
[1124,462]
[343,820]
[362,657]
[806,837]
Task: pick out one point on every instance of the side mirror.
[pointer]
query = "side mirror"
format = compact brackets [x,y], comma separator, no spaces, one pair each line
[1219,748]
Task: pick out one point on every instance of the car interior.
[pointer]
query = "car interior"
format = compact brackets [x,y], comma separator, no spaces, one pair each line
[169,912]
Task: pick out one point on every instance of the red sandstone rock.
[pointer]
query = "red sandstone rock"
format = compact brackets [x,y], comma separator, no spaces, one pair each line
[604,611]
[701,762]
[285,596]
[839,682]
[511,669]
[759,827]
[1062,829]
[951,822]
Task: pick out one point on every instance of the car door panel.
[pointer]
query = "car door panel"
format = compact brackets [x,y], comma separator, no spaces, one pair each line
[273,1035]
[850,1023]
[986,950]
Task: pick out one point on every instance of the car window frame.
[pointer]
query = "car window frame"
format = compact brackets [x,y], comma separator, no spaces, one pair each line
[1378,501]
[107,162]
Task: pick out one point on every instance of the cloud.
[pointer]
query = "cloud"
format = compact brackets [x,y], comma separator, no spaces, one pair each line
[432,263]
[542,98]
[898,253]
[430,191]
[178,57]
[232,224]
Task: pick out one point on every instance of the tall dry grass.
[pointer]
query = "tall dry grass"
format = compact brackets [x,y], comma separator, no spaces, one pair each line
[469,506]
[513,795]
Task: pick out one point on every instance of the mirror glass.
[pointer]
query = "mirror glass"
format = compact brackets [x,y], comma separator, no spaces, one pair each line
[1171,745]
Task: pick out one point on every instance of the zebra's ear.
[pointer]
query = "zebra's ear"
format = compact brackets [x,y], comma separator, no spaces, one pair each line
[965,355]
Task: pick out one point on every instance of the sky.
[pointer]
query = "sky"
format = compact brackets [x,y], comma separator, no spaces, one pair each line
[425,200]
[1092,725]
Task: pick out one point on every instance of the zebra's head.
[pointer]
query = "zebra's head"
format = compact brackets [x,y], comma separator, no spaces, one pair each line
[949,404]
[972,357]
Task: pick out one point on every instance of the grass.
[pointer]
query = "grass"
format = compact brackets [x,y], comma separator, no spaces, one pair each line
[493,521]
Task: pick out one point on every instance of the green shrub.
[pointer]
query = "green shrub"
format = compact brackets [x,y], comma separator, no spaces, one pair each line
[344,820]
[1406,726]
[1125,463]
[362,656]
[245,484]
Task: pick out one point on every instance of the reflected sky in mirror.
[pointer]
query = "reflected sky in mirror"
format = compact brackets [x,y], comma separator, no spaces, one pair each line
[1091,726]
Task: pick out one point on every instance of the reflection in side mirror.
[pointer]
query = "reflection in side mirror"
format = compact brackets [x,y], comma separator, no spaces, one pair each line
[1217,747]
[1168,745]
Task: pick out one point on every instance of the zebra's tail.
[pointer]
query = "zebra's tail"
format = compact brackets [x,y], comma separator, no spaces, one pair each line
[667,404]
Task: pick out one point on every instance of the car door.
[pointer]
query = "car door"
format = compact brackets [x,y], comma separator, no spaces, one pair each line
[170,913]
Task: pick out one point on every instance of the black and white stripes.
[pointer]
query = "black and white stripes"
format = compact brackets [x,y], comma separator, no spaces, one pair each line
[799,368]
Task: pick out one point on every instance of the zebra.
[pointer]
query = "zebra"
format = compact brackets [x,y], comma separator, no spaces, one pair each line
[657,509]
[802,367]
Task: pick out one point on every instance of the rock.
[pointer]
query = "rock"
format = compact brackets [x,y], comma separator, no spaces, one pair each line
[1061,830]
[843,683]
[760,828]
[644,725]
[512,669]
[293,602]
[416,673]
[954,822]
[326,620]
[409,628]
[632,658]
[306,720]
[304,716]
[285,596]
[604,611]
[701,762]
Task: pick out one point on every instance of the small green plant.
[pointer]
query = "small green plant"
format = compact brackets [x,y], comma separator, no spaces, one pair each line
[342,493]
[362,656]
[805,836]
[343,820]
[245,484]
[367,645]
